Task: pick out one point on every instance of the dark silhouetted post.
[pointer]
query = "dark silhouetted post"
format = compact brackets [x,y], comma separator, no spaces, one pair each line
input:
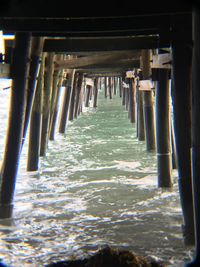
[196,133]
[35,124]
[163,146]
[46,102]
[95,92]
[181,99]
[148,104]
[9,168]
[66,102]
[36,50]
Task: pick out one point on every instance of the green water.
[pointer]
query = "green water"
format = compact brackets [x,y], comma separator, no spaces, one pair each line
[97,186]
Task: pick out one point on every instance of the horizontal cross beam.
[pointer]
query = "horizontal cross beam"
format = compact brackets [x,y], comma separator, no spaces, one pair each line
[72,45]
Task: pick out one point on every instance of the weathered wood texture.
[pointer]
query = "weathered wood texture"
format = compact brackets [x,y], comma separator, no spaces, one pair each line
[35,123]
[163,146]
[36,50]
[196,133]
[13,143]
[66,102]
[47,93]
[148,103]
[72,45]
[181,100]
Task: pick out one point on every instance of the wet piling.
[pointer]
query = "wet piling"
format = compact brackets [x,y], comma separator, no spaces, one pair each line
[163,146]
[181,100]
[9,168]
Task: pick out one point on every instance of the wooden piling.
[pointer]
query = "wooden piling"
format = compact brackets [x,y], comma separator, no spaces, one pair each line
[95,92]
[181,99]
[66,102]
[120,86]
[105,87]
[35,123]
[140,116]
[56,74]
[123,92]
[88,91]
[148,108]
[131,100]
[36,50]
[57,84]
[9,167]
[114,86]
[73,95]
[174,157]
[78,92]
[196,133]
[110,87]
[47,92]
[163,146]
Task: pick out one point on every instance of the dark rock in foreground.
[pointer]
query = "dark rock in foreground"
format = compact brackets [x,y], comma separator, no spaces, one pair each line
[108,257]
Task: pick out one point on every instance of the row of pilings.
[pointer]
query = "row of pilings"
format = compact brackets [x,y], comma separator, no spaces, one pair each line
[36,88]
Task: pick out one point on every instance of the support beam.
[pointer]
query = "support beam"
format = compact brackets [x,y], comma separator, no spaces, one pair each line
[148,104]
[35,123]
[66,102]
[181,100]
[36,50]
[84,26]
[72,45]
[140,114]
[47,92]
[95,92]
[12,151]
[163,147]
[196,133]
[101,60]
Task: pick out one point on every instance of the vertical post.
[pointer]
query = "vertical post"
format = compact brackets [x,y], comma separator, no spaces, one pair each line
[66,102]
[95,92]
[105,87]
[110,87]
[35,123]
[115,85]
[163,146]
[47,91]
[196,132]
[55,106]
[120,86]
[131,100]
[78,92]
[36,50]
[148,108]
[12,151]
[174,160]
[123,92]
[181,99]
[126,96]
[55,89]
[88,91]
[72,100]
[140,116]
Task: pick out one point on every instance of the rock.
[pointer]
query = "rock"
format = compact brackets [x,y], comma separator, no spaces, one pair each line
[108,257]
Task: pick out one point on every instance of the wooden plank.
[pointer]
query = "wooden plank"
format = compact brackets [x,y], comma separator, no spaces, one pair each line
[71,45]
[92,24]
[4,71]
[119,58]
[162,61]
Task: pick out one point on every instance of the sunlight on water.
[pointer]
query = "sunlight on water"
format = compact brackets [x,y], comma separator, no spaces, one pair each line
[96,186]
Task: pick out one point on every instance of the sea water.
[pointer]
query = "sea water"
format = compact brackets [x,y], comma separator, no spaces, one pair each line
[96,186]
